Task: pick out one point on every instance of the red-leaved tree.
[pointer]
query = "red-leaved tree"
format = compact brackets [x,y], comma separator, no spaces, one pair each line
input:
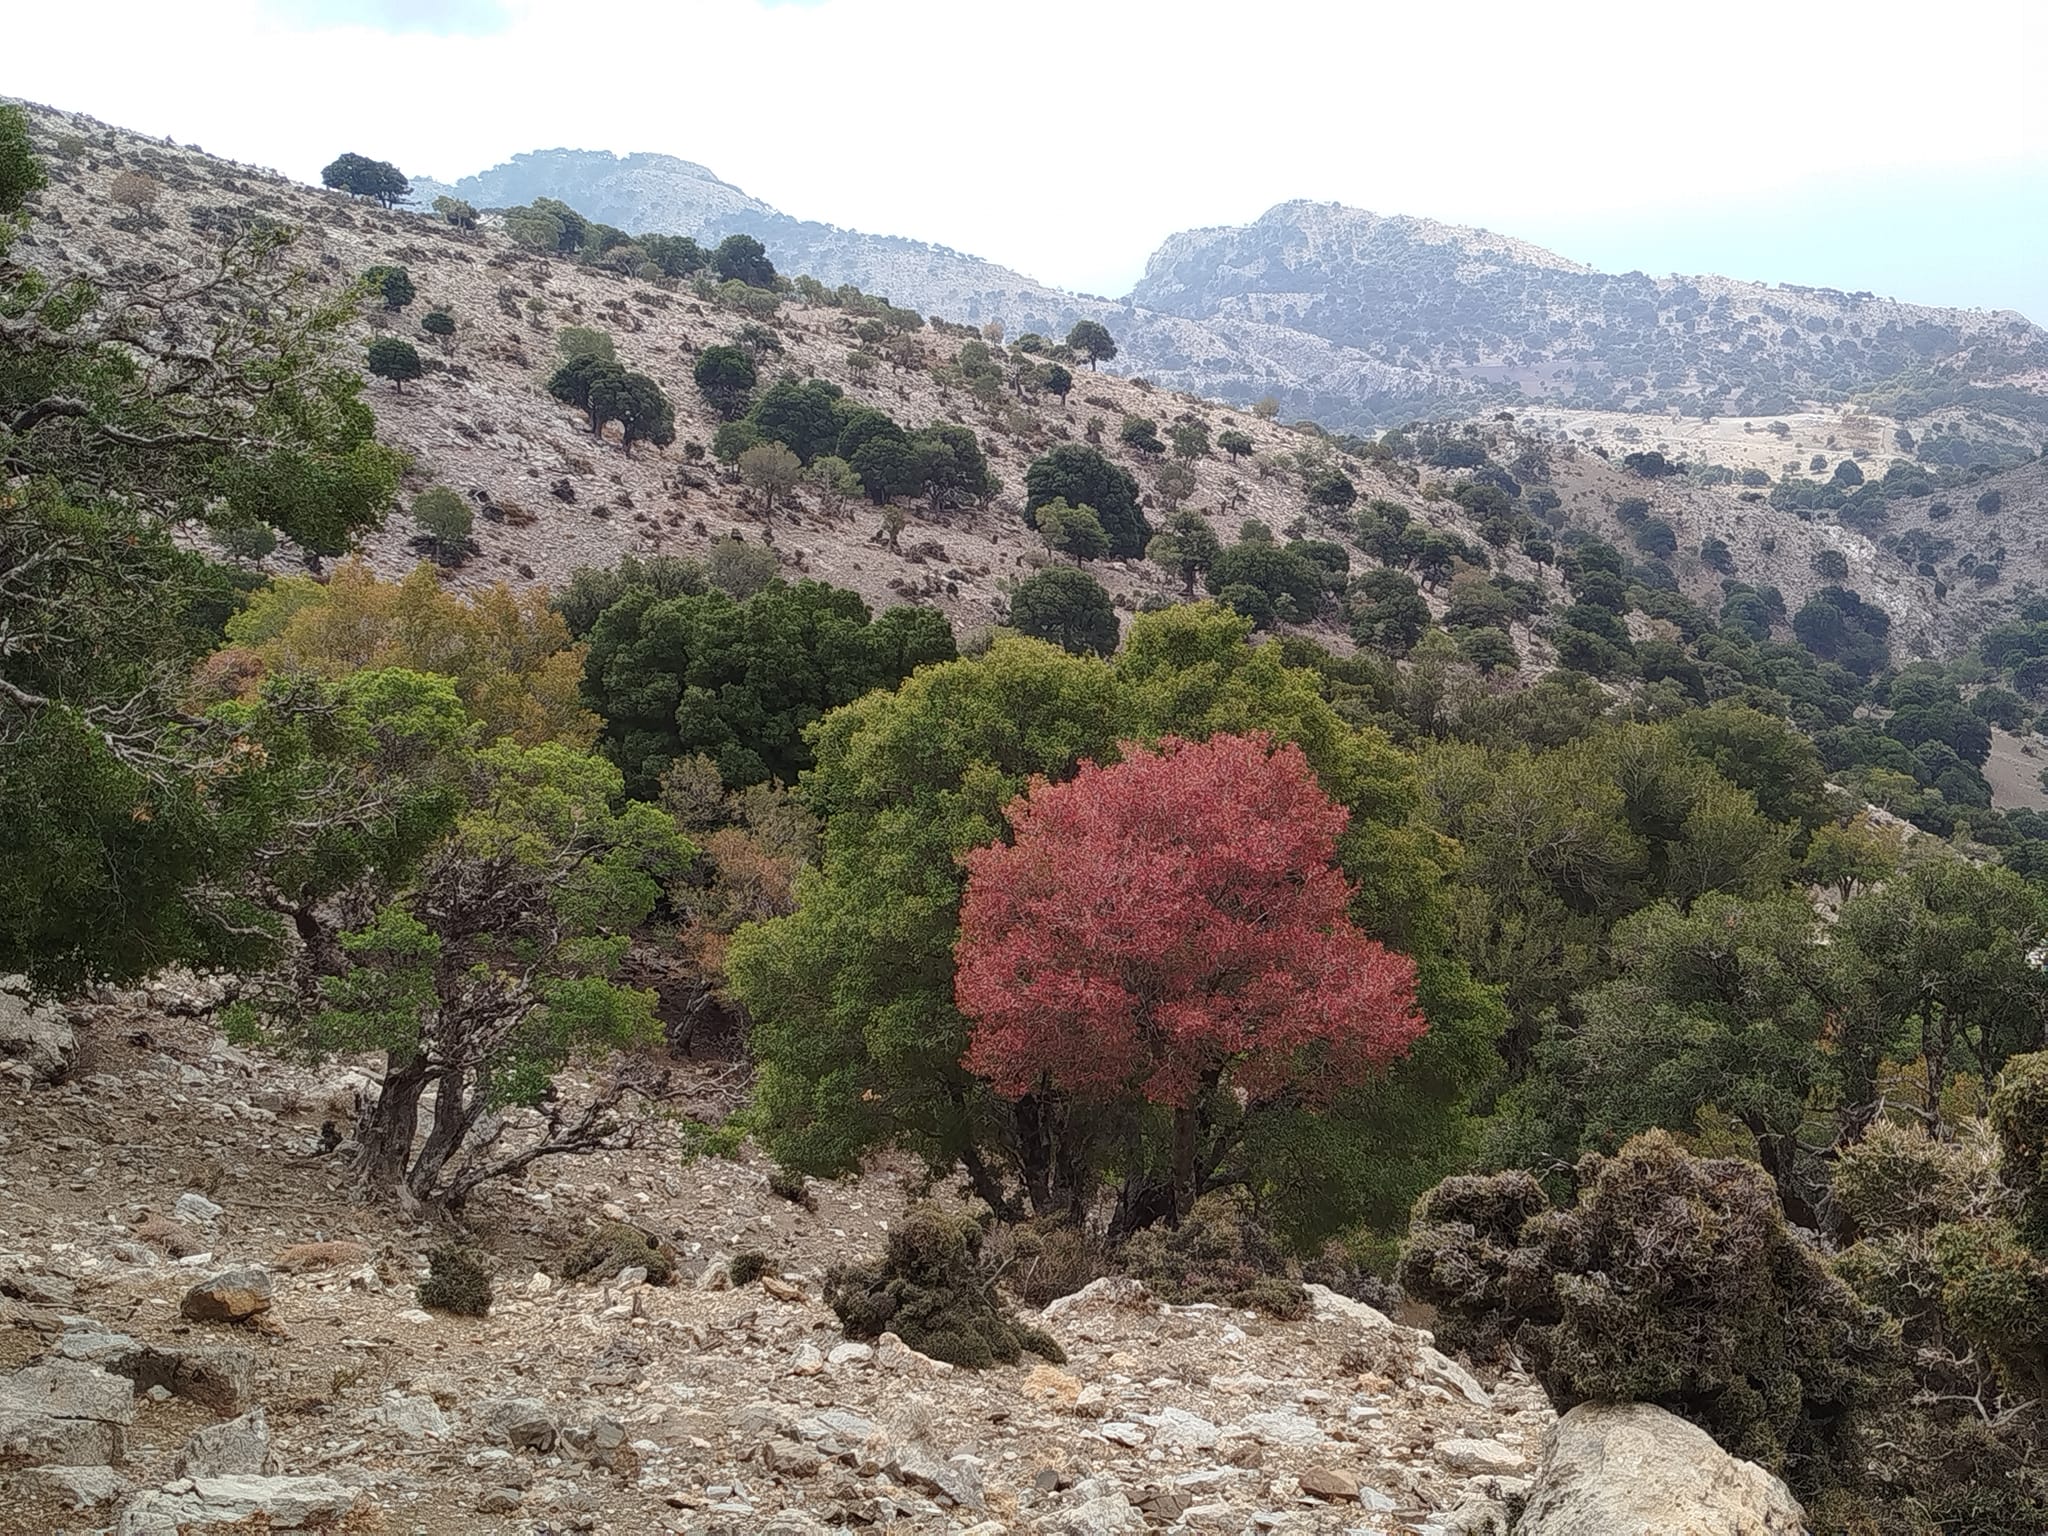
[1171,924]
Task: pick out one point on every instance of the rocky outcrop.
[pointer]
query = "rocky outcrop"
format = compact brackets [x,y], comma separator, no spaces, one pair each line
[37,1042]
[212,1503]
[1631,1469]
[64,1413]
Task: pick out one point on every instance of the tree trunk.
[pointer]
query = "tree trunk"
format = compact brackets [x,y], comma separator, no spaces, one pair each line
[454,1113]
[385,1132]
[1184,1127]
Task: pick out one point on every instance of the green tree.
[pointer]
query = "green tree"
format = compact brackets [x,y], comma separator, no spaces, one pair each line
[577,381]
[739,569]
[740,680]
[1067,607]
[1091,339]
[743,259]
[806,418]
[1190,439]
[1237,444]
[770,470]
[360,176]
[1387,612]
[726,376]
[21,171]
[1055,380]
[1332,490]
[393,359]
[458,212]
[488,971]
[1187,547]
[1489,650]
[1075,531]
[438,323]
[445,522]
[675,255]
[1291,586]
[637,404]
[393,285]
[1140,434]
[1830,565]
[580,341]
[1082,476]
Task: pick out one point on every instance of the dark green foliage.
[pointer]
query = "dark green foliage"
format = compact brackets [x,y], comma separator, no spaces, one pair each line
[1672,1280]
[726,376]
[746,1268]
[1387,612]
[1219,1253]
[1140,434]
[1235,443]
[1830,565]
[439,323]
[1333,490]
[1288,584]
[931,1289]
[2019,1114]
[615,1246]
[743,259]
[637,404]
[360,176]
[457,211]
[675,255]
[805,418]
[1068,607]
[392,286]
[1083,477]
[399,361]
[739,681]
[458,1280]
[1091,339]
[1187,547]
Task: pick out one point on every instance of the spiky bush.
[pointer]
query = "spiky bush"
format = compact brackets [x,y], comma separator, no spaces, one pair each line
[458,1280]
[931,1289]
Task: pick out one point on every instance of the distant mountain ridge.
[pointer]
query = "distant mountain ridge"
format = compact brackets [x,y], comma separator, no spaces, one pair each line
[1352,318]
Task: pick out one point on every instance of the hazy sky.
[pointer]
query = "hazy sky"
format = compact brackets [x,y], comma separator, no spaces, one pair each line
[1891,146]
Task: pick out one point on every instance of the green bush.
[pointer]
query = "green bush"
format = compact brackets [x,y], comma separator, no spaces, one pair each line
[931,1289]
[615,1246]
[458,1280]
[746,1268]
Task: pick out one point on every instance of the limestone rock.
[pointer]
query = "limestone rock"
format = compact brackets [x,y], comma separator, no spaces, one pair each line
[195,1210]
[37,1035]
[1110,1293]
[523,1423]
[232,1296]
[64,1413]
[918,1466]
[237,1448]
[1631,1469]
[1330,1484]
[1479,1456]
[79,1487]
[413,1418]
[208,1503]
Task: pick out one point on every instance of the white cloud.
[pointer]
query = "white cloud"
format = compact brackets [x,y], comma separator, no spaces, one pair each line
[1065,137]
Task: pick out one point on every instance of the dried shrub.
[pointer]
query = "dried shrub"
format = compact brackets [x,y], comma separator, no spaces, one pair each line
[932,1289]
[1043,1261]
[1673,1280]
[791,1185]
[615,1246]
[1219,1253]
[458,1280]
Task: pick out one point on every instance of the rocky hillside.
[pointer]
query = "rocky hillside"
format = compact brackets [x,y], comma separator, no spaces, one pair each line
[202,1328]
[1351,318]
[552,497]
[1472,307]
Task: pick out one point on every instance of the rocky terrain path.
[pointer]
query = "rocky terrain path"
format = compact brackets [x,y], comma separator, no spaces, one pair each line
[203,1324]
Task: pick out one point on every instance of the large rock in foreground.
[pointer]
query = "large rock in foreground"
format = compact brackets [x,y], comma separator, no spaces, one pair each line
[37,1037]
[1630,1469]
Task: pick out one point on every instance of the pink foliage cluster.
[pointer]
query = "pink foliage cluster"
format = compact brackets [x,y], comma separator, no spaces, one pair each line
[1172,919]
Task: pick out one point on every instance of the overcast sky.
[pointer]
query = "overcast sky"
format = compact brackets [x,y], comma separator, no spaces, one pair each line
[1897,147]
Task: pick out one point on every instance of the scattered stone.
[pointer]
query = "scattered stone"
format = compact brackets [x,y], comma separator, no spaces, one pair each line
[1123,1434]
[413,1418]
[1178,1427]
[497,1501]
[168,1237]
[232,1296]
[1633,1470]
[194,1209]
[892,1354]
[238,1448]
[1283,1427]
[1479,1456]
[919,1467]
[523,1423]
[1328,1483]
[808,1360]
[791,1459]
[64,1413]
[781,1289]
[205,1503]
[850,1354]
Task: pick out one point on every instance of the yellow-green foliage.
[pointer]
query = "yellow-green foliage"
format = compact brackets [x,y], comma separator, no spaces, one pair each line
[458,1280]
[1219,1253]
